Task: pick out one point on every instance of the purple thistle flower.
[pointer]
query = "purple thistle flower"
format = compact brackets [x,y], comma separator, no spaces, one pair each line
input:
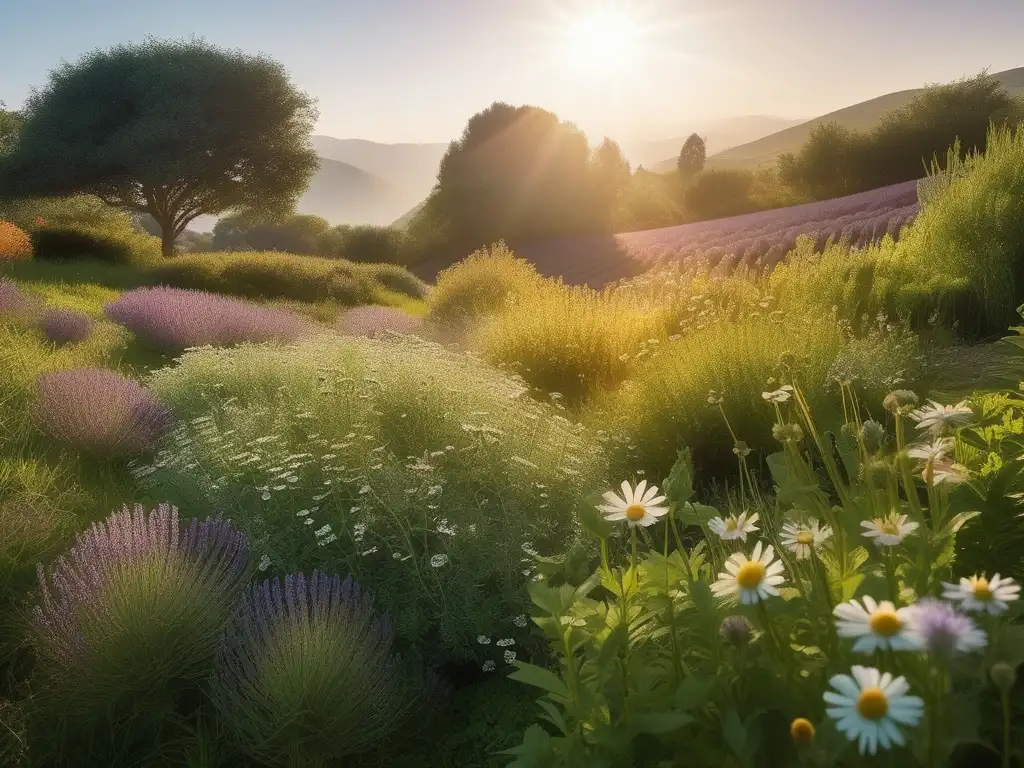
[96,411]
[939,628]
[62,326]
[312,654]
[176,318]
[136,601]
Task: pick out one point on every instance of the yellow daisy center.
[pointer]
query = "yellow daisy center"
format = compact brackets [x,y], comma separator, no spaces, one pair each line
[885,623]
[805,537]
[635,512]
[982,591]
[802,731]
[889,528]
[731,524]
[750,574]
[872,704]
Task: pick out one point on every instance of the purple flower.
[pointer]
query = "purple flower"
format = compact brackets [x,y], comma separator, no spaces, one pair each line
[176,318]
[96,411]
[62,326]
[14,303]
[940,629]
[138,600]
[310,653]
[375,321]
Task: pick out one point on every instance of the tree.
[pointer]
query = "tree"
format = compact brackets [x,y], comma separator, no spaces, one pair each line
[692,156]
[10,123]
[175,129]
[828,164]
[515,172]
[611,177]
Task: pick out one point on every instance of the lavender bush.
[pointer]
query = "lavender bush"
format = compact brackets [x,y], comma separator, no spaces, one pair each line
[137,603]
[176,318]
[63,326]
[375,322]
[306,672]
[13,303]
[99,412]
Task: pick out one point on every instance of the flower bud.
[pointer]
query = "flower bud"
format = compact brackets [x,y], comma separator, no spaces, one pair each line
[736,631]
[900,401]
[741,449]
[1003,675]
[787,433]
[801,731]
[873,435]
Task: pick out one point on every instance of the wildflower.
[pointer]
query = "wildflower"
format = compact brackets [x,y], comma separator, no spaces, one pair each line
[875,625]
[980,594]
[505,642]
[801,730]
[436,561]
[889,532]
[741,449]
[1003,675]
[936,450]
[488,666]
[734,527]
[510,656]
[869,706]
[787,433]
[944,473]
[939,628]
[872,434]
[754,578]
[802,539]
[780,395]
[900,401]
[736,630]
[264,562]
[636,507]
[520,620]
[936,417]
[714,398]
[483,639]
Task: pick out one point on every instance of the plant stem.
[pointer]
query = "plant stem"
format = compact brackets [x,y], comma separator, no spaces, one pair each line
[1005,700]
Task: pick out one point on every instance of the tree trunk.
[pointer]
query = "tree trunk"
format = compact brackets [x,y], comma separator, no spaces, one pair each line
[167,239]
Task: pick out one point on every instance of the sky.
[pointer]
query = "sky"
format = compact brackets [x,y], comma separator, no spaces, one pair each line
[416,70]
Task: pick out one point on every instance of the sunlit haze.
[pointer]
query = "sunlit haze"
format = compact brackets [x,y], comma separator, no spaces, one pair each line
[415,71]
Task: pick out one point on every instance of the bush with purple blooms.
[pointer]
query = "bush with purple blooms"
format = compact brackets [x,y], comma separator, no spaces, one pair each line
[15,305]
[96,411]
[375,322]
[177,318]
[306,673]
[65,326]
[131,616]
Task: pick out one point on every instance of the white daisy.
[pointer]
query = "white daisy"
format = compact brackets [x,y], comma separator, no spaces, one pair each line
[936,417]
[944,473]
[888,532]
[875,625]
[936,450]
[734,527]
[980,594]
[780,395]
[636,507]
[803,538]
[870,705]
[754,578]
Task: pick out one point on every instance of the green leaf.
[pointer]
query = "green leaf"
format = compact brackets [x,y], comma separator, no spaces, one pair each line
[539,678]
[535,746]
[657,723]
[850,585]
[546,598]
[734,733]
[697,514]
[693,692]
[679,483]
[594,523]
[958,521]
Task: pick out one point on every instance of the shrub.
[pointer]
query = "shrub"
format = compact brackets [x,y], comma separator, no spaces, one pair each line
[134,610]
[387,245]
[573,341]
[269,276]
[422,471]
[397,279]
[14,242]
[14,304]
[719,193]
[306,673]
[69,242]
[375,322]
[481,284]
[98,412]
[64,326]
[173,319]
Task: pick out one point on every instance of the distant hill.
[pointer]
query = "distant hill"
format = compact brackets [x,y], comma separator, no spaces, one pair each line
[660,155]
[858,116]
[345,194]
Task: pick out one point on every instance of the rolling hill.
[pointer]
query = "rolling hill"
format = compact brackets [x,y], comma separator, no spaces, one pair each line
[345,194]
[859,116]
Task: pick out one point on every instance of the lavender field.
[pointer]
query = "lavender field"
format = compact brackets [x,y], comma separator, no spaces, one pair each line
[759,239]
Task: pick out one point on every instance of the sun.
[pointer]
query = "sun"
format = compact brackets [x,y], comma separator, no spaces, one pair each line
[604,40]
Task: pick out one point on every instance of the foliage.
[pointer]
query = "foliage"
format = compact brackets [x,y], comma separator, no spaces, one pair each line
[419,470]
[377,322]
[377,245]
[480,285]
[836,160]
[75,241]
[129,618]
[75,211]
[611,178]
[183,129]
[718,193]
[98,412]
[65,326]
[14,242]
[10,125]
[297,233]
[397,279]
[651,200]
[570,342]
[692,156]
[173,319]
[659,663]
[306,673]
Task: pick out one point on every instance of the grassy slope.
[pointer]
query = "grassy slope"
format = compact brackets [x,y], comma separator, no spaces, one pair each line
[860,116]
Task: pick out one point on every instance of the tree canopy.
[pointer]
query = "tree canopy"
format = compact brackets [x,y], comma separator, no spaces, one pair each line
[175,129]
[10,123]
[692,156]
[516,172]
